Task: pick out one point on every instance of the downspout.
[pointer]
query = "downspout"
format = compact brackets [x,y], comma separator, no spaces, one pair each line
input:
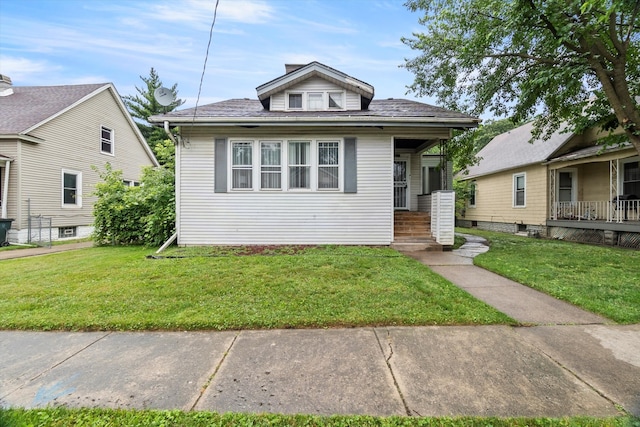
[5,189]
[171,239]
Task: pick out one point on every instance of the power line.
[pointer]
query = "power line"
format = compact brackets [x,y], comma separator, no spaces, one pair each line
[204,67]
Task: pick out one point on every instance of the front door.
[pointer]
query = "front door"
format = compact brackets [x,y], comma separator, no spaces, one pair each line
[400,185]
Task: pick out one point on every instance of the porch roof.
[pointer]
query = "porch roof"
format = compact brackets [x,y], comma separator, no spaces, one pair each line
[590,152]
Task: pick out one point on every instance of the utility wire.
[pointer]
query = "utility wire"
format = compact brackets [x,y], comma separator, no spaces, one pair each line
[204,67]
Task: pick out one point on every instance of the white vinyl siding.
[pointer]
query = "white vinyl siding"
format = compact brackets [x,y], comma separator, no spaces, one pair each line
[72,142]
[284,217]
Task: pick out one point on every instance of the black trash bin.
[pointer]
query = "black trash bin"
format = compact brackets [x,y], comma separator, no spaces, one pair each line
[5,225]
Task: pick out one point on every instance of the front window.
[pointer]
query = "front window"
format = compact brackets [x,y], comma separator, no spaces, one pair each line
[631,178]
[270,165]
[242,165]
[106,140]
[519,190]
[328,165]
[299,165]
[71,188]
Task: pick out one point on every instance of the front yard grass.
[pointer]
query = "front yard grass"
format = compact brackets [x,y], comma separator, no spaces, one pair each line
[118,288]
[116,417]
[603,280]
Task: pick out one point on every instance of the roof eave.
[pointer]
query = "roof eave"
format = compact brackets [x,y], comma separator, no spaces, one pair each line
[320,121]
[22,137]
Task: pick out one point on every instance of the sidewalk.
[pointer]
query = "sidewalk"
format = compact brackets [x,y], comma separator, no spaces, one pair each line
[27,252]
[573,364]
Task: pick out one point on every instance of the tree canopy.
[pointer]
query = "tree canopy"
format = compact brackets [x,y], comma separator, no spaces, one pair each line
[560,61]
[143,105]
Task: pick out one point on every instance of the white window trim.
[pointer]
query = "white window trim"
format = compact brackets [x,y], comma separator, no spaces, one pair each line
[260,165]
[253,164]
[305,100]
[78,203]
[574,183]
[113,141]
[621,171]
[284,182]
[317,164]
[513,190]
[474,186]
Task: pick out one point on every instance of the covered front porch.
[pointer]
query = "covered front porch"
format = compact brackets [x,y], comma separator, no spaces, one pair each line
[595,198]
[422,182]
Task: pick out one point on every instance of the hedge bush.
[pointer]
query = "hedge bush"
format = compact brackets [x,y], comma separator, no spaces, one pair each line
[144,214]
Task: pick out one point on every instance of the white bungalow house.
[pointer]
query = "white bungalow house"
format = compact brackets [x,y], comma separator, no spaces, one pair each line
[313,160]
[50,137]
[566,187]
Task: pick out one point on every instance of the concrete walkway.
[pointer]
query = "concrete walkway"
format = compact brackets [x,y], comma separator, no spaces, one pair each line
[571,365]
[28,252]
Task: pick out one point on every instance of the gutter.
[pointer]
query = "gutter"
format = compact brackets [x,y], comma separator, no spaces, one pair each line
[168,131]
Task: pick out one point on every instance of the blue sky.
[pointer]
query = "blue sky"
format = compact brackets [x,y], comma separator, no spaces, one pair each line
[53,42]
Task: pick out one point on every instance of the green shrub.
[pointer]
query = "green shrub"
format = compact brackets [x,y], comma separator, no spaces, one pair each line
[126,215]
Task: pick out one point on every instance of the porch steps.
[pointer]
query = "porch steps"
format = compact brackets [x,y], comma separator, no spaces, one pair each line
[412,232]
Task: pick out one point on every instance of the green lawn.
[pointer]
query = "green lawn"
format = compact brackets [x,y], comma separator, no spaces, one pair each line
[118,288]
[604,280]
[110,417]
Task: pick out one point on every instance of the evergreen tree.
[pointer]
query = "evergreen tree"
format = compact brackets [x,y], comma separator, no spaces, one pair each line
[143,105]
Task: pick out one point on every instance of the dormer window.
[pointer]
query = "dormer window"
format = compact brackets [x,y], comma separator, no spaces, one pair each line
[336,100]
[295,101]
[315,101]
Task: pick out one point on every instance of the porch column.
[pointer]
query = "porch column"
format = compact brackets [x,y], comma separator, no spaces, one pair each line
[613,191]
[553,210]
[5,188]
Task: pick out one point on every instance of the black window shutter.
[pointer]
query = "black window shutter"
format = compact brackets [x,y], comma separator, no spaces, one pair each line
[220,172]
[350,166]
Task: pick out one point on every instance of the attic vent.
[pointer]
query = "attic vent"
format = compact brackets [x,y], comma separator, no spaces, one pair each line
[5,85]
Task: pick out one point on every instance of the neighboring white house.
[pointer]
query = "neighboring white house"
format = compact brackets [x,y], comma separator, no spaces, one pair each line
[314,160]
[566,187]
[50,137]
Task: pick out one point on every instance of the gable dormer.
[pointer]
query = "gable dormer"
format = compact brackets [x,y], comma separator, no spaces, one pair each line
[315,87]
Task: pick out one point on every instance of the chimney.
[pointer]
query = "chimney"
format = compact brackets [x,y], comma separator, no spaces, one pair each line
[289,68]
[5,85]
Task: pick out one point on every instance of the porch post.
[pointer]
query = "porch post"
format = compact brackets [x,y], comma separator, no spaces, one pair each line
[613,191]
[553,209]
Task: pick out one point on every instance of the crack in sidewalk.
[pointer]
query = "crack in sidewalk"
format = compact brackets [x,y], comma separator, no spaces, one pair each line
[213,374]
[408,411]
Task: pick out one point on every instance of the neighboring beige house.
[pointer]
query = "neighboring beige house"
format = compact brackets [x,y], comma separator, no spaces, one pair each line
[565,187]
[313,160]
[50,137]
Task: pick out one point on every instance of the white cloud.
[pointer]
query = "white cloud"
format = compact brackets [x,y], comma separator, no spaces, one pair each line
[23,69]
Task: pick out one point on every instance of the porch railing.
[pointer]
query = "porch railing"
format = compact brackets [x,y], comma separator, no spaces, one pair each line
[616,211]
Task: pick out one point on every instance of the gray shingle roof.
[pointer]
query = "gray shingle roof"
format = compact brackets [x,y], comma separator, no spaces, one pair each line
[252,109]
[30,105]
[512,149]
